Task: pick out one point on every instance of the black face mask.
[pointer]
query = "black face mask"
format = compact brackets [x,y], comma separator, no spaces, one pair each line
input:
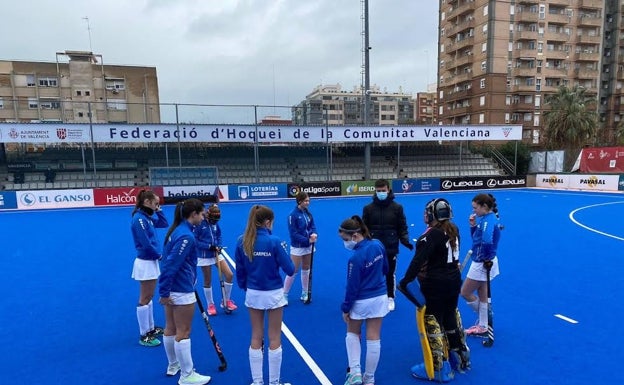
[148,210]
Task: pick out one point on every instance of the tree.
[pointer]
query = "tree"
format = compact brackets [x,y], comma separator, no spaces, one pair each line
[572,120]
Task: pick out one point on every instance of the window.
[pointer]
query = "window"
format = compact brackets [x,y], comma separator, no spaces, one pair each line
[482,100]
[33,103]
[81,114]
[484,29]
[483,47]
[78,93]
[1,103]
[87,93]
[481,118]
[484,66]
[506,117]
[508,100]
[115,84]
[536,121]
[482,83]
[30,80]
[538,84]
[116,104]
[48,82]
[485,10]
[50,104]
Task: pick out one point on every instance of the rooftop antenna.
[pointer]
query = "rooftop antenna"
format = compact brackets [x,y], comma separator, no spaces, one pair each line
[86,18]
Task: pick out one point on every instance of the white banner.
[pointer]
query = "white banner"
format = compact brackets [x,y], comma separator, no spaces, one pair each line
[595,182]
[54,199]
[123,133]
[552,181]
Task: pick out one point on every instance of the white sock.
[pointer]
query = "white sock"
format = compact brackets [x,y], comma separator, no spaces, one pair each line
[373,351]
[275,365]
[169,342]
[474,305]
[255,363]
[354,352]
[228,291]
[151,315]
[305,279]
[143,317]
[483,314]
[288,281]
[183,353]
[208,294]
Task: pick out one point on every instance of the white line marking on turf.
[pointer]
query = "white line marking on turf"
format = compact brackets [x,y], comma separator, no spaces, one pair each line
[294,341]
[592,229]
[570,320]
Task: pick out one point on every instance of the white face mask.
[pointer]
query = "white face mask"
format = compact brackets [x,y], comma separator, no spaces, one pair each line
[349,245]
[382,195]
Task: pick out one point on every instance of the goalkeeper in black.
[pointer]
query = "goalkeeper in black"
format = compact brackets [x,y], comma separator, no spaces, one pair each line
[435,264]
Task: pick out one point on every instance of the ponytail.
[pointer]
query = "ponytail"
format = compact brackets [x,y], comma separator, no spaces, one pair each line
[183,210]
[258,215]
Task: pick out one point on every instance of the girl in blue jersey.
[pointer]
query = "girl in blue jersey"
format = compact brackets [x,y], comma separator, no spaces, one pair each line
[209,242]
[259,257]
[146,269]
[485,230]
[366,298]
[177,290]
[302,238]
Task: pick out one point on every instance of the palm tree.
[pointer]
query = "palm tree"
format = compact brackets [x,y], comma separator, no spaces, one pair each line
[572,120]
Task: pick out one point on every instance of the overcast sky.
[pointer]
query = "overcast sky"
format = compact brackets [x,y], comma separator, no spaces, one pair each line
[261,52]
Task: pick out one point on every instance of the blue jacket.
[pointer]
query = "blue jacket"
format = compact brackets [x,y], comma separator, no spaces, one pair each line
[366,273]
[485,237]
[208,237]
[300,226]
[262,272]
[144,235]
[179,265]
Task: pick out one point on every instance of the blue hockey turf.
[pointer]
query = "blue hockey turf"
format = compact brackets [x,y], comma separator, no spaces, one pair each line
[68,304]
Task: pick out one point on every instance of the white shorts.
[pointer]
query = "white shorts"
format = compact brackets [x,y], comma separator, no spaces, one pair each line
[477,271]
[300,251]
[182,298]
[145,270]
[265,300]
[376,307]
[208,261]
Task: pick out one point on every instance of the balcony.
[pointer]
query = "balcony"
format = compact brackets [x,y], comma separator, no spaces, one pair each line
[586,73]
[587,56]
[525,35]
[465,59]
[523,88]
[524,53]
[557,36]
[460,110]
[462,77]
[555,72]
[523,72]
[557,54]
[530,17]
[466,42]
[584,20]
[594,4]
[558,18]
[559,2]
[466,6]
[587,39]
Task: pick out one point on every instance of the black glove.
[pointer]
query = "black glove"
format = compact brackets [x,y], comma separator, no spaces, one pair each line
[407,244]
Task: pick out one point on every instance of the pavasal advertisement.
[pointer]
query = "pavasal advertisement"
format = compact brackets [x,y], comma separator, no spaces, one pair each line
[480,182]
[320,189]
[122,196]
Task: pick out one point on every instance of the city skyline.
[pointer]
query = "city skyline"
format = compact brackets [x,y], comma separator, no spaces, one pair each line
[237,52]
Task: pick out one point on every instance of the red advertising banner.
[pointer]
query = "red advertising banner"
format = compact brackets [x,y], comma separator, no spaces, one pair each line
[121,196]
[602,160]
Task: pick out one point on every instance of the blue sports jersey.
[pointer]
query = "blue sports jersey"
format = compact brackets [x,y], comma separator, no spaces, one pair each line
[144,235]
[179,264]
[208,235]
[366,272]
[300,226]
[485,237]
[262,272]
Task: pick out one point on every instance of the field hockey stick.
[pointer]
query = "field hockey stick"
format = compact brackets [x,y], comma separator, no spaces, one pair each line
[490,329]
[222,283]
[211,333]
[309,299]
[465,261]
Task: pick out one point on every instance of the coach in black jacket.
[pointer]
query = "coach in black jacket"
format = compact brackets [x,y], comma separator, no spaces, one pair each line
[386,221]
